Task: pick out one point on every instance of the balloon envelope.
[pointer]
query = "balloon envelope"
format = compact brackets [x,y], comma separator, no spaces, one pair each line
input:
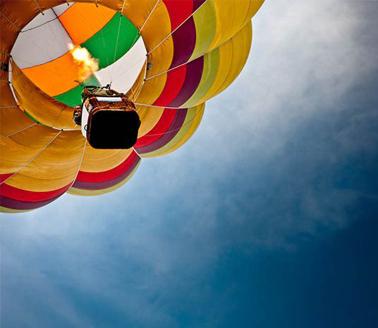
[170,57]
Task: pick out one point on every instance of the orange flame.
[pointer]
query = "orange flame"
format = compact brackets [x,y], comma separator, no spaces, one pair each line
[87,64]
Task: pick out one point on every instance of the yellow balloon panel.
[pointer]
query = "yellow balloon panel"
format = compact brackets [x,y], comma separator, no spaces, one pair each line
[98,160]
[241,45]
[157,27]
[15,155]
[54,167]
[138,11]
[149,117]
[151,90]
[232,56]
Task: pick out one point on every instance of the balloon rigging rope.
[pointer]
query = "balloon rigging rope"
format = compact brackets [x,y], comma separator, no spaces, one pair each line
[107,55]
[190,59]
[33,158]
[117,39]
[8,107]
[22,130]
[119,30]
[150,14]
[45,48]
[135,94]
[17,28]
[173,31]
[39,6]
[123,6]
[38,26]
[136,61]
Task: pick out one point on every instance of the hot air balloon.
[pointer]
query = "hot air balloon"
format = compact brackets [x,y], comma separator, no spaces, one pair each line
[168,56]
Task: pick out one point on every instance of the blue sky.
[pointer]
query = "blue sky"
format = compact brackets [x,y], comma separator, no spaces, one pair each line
[266,218]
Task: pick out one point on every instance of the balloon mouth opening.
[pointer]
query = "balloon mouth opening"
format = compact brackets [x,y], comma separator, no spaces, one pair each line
[69,46]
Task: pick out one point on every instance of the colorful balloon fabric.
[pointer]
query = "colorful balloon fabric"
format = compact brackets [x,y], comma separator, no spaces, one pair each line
[170,56]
